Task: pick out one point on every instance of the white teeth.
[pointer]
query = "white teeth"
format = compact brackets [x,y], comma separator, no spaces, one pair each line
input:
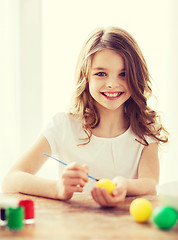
[112,94]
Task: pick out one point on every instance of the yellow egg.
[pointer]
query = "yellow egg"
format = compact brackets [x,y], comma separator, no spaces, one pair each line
[106,183]
[141,209]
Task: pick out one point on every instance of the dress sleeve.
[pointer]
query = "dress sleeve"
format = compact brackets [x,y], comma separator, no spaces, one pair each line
[54,132]
[150,140]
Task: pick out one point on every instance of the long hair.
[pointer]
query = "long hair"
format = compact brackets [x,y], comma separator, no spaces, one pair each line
[143,120]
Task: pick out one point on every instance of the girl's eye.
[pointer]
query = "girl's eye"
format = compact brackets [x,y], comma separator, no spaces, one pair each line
[101,74]
[122,74]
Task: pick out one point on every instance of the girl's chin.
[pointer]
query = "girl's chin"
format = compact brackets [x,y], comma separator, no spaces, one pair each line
[109,108]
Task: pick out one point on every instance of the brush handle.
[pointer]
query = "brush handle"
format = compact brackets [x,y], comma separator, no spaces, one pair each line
[66,164]
[55,159]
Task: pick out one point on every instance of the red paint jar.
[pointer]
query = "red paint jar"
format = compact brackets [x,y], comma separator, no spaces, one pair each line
[28,206]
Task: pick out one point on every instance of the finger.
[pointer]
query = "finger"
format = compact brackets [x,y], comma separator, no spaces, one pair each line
[75,174]
[98,196]
[68,191]
[118,190]
[65,191]
[86,168]
[120,182]
[120,197]
[77,166]
[75,189]
[82,170]
[110,200]
[107,198]
[68,181]
[76,182]
[94,194]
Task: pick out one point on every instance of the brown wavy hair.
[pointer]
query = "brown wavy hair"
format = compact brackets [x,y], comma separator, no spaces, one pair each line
[143,120]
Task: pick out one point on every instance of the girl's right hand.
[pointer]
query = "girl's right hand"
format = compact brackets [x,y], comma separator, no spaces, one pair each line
[73,179]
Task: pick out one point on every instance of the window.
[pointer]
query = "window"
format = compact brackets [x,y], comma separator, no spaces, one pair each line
[40,44]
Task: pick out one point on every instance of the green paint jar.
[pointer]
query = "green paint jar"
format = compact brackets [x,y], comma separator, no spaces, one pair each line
[15,218]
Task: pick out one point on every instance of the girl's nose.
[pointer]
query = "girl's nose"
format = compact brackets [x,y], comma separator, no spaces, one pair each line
[112,83]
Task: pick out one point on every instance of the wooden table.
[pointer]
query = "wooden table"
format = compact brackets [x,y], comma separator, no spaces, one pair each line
[81,218]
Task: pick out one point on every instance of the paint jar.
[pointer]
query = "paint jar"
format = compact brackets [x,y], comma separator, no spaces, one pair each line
[28,206]
[15,218]
[5,203]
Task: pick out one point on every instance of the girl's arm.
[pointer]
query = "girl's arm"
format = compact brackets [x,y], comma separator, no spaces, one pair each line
[148,177]
[21,177]
[148,173]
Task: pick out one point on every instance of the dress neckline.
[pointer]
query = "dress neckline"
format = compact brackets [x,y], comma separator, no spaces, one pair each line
[113,138]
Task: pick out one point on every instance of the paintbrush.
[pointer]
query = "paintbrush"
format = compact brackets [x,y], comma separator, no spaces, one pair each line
[66,164]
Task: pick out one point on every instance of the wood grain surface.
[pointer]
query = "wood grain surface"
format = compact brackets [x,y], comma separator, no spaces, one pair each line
[81,218]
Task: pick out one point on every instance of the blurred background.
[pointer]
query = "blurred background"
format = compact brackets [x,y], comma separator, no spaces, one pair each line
[39,44]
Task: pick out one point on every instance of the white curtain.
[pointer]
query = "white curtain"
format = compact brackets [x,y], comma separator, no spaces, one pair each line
[39,45]
[20,78]
[170,159]
[9,76]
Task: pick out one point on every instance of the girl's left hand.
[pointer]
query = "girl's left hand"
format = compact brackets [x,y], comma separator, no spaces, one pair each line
[103,198]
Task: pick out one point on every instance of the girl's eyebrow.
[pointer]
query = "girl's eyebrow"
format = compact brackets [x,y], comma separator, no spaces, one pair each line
[104,69]
[99,68]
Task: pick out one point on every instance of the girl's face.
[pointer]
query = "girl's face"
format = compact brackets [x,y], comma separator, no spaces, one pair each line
[107,83]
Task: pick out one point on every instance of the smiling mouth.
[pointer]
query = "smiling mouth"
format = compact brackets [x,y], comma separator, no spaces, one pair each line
[112,94]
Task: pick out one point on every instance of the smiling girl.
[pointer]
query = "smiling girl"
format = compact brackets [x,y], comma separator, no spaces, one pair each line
[110,131]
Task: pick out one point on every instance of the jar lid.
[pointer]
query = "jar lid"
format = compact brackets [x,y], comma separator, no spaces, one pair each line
[7,202]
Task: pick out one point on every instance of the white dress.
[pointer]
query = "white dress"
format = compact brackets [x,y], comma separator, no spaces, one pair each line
[106,157]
